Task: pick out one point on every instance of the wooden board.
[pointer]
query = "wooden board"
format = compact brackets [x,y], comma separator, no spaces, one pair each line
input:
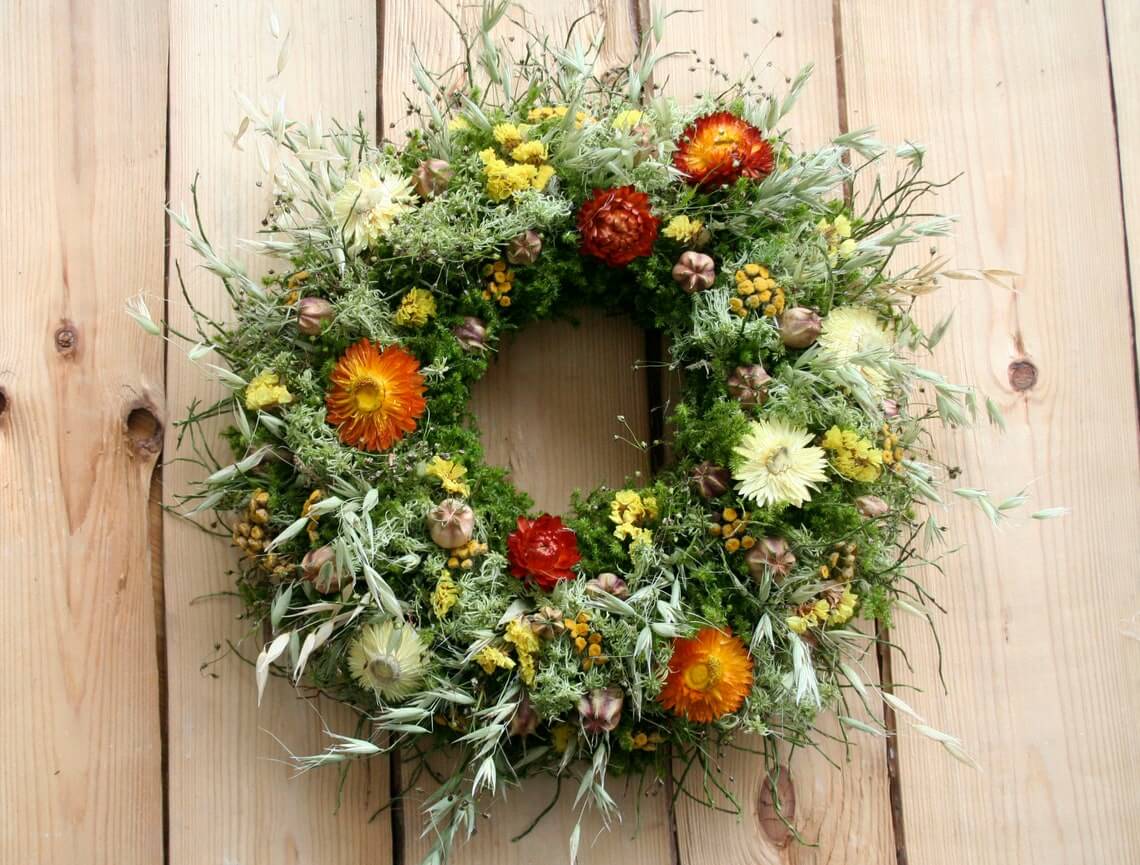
[232,798]
[1043,681]
[1122,19]
[847,815]
[548,410]
[83,99]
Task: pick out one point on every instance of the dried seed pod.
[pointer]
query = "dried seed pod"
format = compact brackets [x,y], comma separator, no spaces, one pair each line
[525,719]
[871,507]
[749,384]
[471,334]
[601,710]
[313,314]
[525,248]
[710,480]
[890,408]
[694,271]
[432,177]
[319,568]
[770,556]
[450,523]
[800,326]
[608,584]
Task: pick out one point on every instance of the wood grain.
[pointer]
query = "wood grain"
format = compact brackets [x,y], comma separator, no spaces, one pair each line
[82,97]
[232,798]
[1122,28]
[1043,683]
[847,814]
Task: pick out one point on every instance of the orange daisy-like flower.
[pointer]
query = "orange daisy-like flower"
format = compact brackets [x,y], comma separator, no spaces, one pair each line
[710,674]
[376,396]
[718,148]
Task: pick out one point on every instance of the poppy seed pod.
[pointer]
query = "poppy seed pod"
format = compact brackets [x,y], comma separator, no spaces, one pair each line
[525,248]
[800,326]
[694,271]
[432,177]
[890,408]
[313,313]
[471,334]
[547,623]
[525,719]
[770,556]
[608,584]
[710,480]
[451,523]
[871,507]
[319,568]
[749,384]
[601,710]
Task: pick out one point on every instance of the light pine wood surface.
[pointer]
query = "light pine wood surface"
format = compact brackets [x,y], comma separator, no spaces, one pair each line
[132,736]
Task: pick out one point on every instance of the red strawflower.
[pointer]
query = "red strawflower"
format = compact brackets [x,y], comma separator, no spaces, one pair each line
[617,225]
[543,551]
[718,148]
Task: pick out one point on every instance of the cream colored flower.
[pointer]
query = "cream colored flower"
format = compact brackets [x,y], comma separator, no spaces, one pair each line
[852,330]
[368,205]
[389,659]
[778,464]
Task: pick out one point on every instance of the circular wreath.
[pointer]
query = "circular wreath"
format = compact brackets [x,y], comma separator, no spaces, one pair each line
[737,590]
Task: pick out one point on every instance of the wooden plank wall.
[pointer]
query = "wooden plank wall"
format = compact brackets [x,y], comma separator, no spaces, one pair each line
[1035,102]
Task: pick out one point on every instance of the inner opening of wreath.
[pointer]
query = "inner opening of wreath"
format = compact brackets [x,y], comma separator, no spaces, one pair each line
[574,404]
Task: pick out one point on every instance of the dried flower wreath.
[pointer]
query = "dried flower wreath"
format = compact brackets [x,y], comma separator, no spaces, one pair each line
[736,591]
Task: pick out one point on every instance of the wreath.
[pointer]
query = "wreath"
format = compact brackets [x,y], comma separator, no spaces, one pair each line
[393,569]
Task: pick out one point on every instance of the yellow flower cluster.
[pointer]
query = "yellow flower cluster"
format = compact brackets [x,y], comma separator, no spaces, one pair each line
[631,512]
[445,595]
[416,308]
[545,112]
[822,612]
[642,741]
[450,475]
[683,229]
[520,635]
[529,169]
[500,280]
[249,531]
[491,659]
[626,120]
[837,233]
[561,735]
[756,290]
[893,453]
[586,642]
[732,530]
[853,456]
[266,391]
[464,557]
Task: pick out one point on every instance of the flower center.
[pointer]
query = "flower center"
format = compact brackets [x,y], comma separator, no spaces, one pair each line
[369,395]
[701,677]
[384,669]
[778,461]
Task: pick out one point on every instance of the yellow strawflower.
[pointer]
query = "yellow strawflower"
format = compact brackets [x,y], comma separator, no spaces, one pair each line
[508,135]
[416,308]
[532,152]
[445,595]
[266,391]
[504,179]
[525,641]
[630,511]
[450,475]
[853,456]
[626,120]
[491,659]
[837,233]
[683,229]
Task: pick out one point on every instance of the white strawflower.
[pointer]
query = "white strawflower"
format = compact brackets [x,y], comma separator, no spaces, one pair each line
[368,205]
[389,659]
[851,330]
[778,464]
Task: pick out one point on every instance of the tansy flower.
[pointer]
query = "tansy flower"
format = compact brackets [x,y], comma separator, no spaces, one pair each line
[709,676]
[417,307]
[777,464]
[853,456]
[533,152]
[450,475]
[683,229]
[266,391]
[719,148]
[376,396]
[368,204]
[626,120]
[851,330]
[389,659]
[491,659]
[445,595]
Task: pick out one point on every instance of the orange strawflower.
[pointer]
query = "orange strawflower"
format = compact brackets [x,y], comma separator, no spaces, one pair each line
[709,676]
[376,396]
[718,148]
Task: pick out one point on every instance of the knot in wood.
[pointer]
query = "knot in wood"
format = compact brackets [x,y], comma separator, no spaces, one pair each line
[143,430]
[66,338]
[1022,375]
